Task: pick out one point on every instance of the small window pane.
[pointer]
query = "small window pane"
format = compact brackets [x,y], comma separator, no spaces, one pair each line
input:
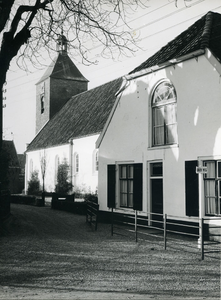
[130,186]
[123,186]
[123,172]
[171,134]
[159,135]
[159,116]
[130,200]
[123,200]
[130,172]
[210,169]
[170,114]
[219,187]
[210,188]
[156,169]
[219,169]
[211,206]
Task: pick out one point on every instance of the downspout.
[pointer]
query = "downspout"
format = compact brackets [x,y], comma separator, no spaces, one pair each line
[71,145]
[201,203]
[26,174]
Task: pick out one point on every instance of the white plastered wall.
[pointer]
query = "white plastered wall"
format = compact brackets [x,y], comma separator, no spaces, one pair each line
[128,136]
[85,179]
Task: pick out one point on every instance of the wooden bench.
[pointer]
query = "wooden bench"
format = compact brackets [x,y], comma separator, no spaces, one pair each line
[92,210]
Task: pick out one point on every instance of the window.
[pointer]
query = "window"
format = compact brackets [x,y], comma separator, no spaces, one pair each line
[126,186]
[76,163]
[30,167]
[56,167]
[42,104]
[96,161]
[130,188]
[164,120]
[212,185]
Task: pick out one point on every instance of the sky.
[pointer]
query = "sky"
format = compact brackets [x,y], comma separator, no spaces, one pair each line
[156,25]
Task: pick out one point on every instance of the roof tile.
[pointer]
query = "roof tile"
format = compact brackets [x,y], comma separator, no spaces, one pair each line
[204,33]
[84,114]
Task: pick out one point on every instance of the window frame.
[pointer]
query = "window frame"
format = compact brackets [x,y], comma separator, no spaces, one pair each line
[163,106]
[42,100]
[126,179]
[212,194]
[76,163]
[57,163]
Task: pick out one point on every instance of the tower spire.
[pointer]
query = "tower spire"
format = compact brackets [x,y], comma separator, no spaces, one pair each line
[62,44]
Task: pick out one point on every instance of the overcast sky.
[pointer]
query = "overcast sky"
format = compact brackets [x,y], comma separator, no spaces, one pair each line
[155,25]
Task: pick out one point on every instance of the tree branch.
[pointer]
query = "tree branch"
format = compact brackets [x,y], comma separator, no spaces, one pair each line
[5,9]
[25,9]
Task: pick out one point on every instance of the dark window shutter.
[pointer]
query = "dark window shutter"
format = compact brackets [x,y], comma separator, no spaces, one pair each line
[191,185]
[111,184]
[138,187]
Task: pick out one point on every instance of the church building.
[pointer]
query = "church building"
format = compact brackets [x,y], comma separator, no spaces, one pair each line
[69,119]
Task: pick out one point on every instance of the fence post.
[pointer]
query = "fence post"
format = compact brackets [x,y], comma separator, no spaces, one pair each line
[136,226]
[202,240]
[165,231]
[112,221]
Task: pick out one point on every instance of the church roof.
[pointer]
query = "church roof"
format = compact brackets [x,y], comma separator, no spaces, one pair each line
[84,114]
[204,33]
[63,68]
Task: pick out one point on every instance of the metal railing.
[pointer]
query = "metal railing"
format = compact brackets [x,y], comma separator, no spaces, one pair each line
[185,235]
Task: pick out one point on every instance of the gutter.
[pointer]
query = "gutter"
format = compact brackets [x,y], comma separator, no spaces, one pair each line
[171,62]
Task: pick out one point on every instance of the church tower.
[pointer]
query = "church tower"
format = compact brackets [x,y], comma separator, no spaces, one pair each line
[60,82]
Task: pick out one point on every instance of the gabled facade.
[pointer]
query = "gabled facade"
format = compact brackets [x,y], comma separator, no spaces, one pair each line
[165,129]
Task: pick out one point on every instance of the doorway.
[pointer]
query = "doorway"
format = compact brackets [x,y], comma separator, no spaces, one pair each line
[156,191]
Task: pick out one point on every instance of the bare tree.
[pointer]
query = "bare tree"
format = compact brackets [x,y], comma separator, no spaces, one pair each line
[43,164]
[29,26]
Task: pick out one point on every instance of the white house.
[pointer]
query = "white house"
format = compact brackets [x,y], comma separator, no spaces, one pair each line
[69,120]
[164,131]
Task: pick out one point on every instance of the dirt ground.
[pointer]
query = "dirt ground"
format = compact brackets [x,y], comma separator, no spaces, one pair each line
[50,254]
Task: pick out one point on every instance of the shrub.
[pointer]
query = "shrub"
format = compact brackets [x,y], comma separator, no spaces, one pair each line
[91,197]
[63,185]
[34,184]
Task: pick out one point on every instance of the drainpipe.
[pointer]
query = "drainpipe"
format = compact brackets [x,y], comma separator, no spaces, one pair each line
[71,145]
[201,203]
[26,174]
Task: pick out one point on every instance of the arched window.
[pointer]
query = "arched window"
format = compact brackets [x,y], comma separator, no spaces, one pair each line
[76,163]
[30,167]
[56,168]
[164,117]
[96,161]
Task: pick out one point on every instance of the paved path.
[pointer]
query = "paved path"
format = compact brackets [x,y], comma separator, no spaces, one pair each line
[50,254]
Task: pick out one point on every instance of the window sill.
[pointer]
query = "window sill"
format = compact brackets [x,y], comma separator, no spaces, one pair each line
[163,147]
